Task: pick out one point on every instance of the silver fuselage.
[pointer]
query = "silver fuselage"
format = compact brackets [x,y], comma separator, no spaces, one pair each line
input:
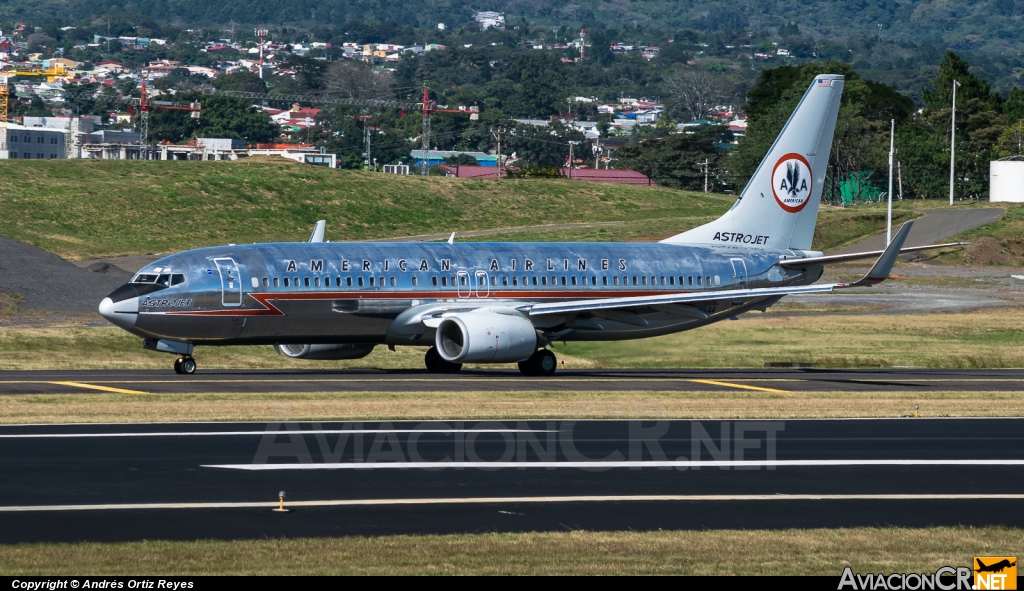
[321,293]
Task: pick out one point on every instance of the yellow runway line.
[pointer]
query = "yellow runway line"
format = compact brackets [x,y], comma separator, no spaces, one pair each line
[740,386]
[95,387]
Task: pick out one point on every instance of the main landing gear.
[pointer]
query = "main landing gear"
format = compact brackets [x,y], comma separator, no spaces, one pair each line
[541,363]
[437,364]
[185,365]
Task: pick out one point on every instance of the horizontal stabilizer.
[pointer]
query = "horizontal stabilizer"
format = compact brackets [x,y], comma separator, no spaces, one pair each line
[843,258]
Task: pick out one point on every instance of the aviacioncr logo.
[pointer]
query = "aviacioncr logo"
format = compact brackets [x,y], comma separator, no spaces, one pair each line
[792,182]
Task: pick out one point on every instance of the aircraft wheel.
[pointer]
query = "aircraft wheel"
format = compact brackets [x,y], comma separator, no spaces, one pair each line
[525,368]
[188,366]
[543,363]
[177,365]
[437,364]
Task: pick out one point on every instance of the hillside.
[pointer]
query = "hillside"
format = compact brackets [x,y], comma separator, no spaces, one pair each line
[88,209]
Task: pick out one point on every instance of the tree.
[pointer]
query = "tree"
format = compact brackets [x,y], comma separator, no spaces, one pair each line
[244,81]
[357,80]
[695,92]
[1011,141]
[677,160]
[541,145]
[940,93]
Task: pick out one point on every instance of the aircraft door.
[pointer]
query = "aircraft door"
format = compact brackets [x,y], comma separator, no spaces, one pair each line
[483,288]
[463,285]
[230,282]
[739,272]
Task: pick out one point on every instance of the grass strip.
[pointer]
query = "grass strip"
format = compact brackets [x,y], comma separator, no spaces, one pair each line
[749,552]
[334,406]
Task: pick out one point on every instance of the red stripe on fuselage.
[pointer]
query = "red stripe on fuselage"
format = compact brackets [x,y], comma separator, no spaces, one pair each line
[269,309]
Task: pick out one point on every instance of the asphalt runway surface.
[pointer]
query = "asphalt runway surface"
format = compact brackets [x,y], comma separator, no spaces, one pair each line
[110,482]
[368,380]
[933,228]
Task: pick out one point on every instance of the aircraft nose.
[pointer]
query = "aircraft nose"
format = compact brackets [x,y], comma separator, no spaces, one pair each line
[123,313]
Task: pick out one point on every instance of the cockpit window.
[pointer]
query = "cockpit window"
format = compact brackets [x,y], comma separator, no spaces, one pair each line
[144,278]
[164,280]
[177,279]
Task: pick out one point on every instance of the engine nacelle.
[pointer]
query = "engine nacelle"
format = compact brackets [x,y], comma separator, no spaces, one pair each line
[340,351]
[485,337]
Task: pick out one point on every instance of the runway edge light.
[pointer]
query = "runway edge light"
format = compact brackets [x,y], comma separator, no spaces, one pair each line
[280,507]
[916,407]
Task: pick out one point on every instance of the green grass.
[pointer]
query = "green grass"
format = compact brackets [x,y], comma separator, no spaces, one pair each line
[718,552]
[84,209]
[89,209]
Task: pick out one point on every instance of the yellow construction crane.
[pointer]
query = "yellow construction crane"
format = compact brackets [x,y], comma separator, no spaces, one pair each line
[6,75]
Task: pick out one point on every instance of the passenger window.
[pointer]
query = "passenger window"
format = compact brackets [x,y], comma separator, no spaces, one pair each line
[179,278]
[535,280]
[266,282]
[698,280]
[644,279]
[433,281]
[604,280]
[515,281]
[277,283]
[286,282]
[306,281]
[563,279]
[718,280]
[348,281]
[371,281]
[462,279]
[327,281]
[361,281]
[689,280]
[663,280]
[671,280]
[494,280]
[444,282]
[415,281]
[337,280]
[574,280]
[255,283]
[615,280]
[394,282]
[544,280]
[504,280]
[707,280]
[316,281]
[654,280]
[295,281]
[380,282]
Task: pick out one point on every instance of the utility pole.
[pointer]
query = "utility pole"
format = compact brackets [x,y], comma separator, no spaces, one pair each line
[496,133]
[892,153]
[582,44]
[597,154]
[899,175]
[366,132]
[571,144]
[261,33]
[705,165]
[425,170]
[952,144]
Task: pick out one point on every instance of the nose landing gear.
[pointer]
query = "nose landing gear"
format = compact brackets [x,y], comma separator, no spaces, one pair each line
[185,365]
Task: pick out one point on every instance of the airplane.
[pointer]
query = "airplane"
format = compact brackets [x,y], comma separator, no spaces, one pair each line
[504,302]
[994,568]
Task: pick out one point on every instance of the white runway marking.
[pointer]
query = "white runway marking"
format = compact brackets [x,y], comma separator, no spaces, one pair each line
[598,464]
[226,433]
[491,500]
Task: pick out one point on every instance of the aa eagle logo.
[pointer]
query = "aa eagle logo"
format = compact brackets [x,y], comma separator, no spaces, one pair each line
[791,182]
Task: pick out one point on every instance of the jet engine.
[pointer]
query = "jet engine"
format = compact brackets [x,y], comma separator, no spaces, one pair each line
[485,337]
[340,351]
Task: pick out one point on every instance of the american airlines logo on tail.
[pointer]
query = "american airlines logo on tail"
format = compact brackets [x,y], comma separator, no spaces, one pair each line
[792,182]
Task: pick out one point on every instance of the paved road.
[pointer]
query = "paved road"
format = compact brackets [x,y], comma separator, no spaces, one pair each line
[368,380]
[188,481]
[933,228]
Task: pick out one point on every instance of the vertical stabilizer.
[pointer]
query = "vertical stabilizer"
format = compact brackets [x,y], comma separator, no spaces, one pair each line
[779,206]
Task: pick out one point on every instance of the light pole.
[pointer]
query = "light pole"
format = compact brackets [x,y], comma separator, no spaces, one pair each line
[892,152]
[952,144]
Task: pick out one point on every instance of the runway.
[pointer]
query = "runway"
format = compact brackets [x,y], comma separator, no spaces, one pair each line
[111,482]
[368,380]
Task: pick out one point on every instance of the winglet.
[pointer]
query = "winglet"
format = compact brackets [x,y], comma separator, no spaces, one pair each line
[451,239]
[318,231]
[883,266]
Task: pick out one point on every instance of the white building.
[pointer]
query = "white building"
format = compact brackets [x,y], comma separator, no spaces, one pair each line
[488,19]
[1006,180]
